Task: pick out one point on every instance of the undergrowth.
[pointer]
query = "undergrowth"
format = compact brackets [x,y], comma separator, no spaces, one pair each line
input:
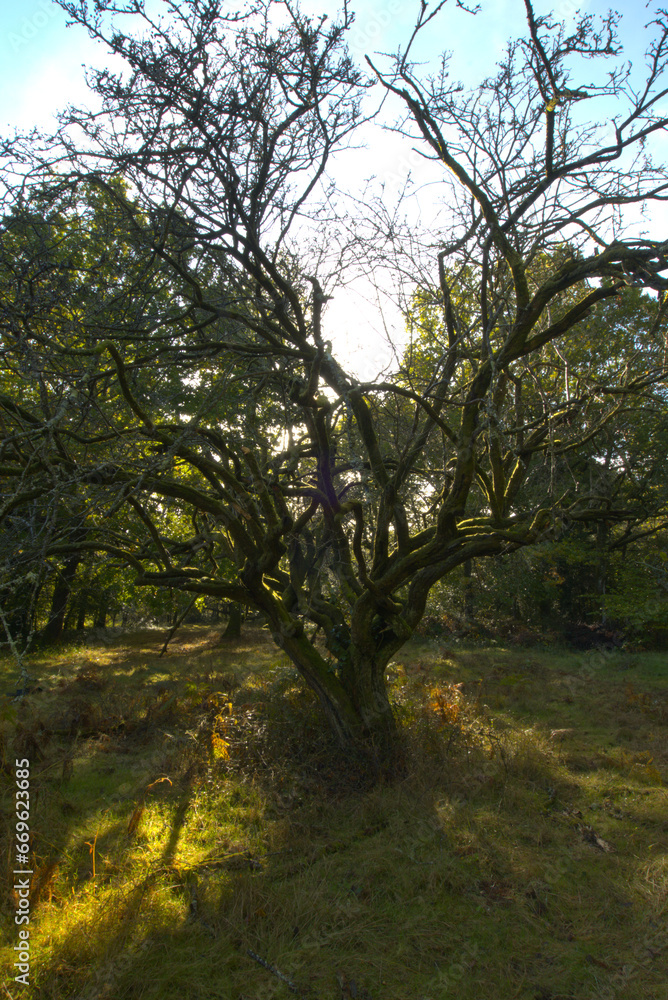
[196,834]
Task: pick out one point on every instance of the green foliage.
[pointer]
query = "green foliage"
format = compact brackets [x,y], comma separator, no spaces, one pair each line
[172,404]
[639,597]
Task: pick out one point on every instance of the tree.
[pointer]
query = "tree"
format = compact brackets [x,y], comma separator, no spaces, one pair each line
[623,464]
[266,474]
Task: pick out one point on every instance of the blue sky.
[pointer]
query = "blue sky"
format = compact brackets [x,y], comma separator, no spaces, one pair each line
[40,62]
[41,71]
[41,58]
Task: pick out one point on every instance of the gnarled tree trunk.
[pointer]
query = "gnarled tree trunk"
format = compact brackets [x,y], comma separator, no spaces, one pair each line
[351,689]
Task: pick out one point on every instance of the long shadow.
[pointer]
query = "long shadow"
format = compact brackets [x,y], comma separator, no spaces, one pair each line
[433,875]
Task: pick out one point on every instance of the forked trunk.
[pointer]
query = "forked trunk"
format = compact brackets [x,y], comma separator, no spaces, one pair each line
[355,701]
[352,690]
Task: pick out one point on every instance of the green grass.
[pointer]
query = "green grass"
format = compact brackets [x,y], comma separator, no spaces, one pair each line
[191,816]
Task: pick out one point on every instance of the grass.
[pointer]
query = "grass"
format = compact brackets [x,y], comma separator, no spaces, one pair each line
[195,834]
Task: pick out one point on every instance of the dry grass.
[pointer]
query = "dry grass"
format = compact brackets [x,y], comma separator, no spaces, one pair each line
[196,834]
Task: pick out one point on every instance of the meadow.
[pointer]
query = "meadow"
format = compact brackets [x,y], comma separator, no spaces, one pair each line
[196,834]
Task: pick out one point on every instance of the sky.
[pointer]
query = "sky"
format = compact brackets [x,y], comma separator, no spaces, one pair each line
[41,70]
[41,58]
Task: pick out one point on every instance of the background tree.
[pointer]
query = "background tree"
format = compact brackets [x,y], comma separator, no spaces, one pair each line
[623,463]
[265,474]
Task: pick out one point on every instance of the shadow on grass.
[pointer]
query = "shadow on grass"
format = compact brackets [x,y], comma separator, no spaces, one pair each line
[274,869]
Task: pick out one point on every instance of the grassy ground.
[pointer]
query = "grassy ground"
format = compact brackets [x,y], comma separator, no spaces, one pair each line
[196,835]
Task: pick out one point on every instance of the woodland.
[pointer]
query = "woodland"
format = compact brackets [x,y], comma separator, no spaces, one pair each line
[316,683]
[178,436]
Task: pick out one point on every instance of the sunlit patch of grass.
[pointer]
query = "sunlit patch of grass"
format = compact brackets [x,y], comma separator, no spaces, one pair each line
[521,853]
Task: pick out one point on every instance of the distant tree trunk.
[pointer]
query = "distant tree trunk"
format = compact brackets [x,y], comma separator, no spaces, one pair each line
[468,588]
[53,629]
[233,630]
[82,610]
[68,624]
[602,565]
[18,620]
[102,609]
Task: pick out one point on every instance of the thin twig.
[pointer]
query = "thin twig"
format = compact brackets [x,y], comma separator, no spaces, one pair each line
[272,968]
[177,625]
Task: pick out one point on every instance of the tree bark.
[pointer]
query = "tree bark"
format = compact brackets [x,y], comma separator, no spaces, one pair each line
[468,589]
[602,535]
[372,704]
[53,629]
[102,609]
[233,629]
[353,697]
[82,610]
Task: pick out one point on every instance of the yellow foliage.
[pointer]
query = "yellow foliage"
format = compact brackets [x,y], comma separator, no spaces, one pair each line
[219,747]
[446,704]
